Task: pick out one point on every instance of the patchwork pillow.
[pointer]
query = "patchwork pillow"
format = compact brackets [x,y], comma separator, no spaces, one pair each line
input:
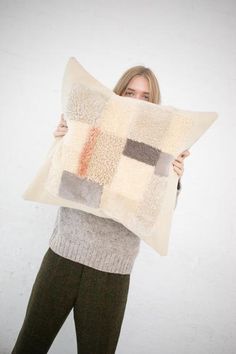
[115,161]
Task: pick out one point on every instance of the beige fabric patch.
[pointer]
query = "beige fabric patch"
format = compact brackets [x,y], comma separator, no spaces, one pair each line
[55,172]
[105,158]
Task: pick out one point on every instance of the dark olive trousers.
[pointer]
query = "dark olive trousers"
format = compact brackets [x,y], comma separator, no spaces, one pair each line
[98,300]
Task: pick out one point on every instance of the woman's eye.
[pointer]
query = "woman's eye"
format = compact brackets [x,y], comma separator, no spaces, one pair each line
[129,93]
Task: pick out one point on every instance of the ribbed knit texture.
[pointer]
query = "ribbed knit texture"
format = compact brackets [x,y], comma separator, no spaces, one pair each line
[97,242]
[100,243]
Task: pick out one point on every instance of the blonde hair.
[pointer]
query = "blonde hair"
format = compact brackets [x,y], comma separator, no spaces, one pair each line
[120,87]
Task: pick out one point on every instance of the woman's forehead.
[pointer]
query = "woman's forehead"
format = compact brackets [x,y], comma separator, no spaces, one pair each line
[139,84]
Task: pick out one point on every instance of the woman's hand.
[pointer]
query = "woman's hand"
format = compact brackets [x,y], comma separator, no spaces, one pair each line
[61,128]
[178,163]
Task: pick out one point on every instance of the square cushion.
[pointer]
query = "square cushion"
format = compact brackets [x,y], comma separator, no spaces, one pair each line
[115,161]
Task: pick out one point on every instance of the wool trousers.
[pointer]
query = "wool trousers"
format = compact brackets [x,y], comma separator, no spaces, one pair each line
[98,300]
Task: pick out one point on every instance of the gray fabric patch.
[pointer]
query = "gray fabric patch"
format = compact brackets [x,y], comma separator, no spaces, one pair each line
[163,164]
[141,152]
[80,190]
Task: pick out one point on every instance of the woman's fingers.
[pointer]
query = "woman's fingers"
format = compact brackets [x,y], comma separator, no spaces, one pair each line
[62,124]
[182,156]
[178,170]
[177,163]
[62,121]
[185,153]
[178,167]
[61,128]
[59,132]
[62,118]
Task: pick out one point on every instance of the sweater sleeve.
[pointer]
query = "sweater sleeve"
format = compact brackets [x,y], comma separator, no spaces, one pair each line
[179,188]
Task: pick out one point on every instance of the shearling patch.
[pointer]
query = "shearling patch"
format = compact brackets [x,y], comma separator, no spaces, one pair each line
[141,152]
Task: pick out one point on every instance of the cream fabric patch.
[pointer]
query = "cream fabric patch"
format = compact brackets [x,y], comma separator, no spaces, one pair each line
[119,205]
[110,117]
[71,137]
[144,127]
[116,159]
[131,178]
[150,205]
[70,161]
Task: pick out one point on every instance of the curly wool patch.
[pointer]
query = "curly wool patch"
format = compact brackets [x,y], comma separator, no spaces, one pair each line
[105,158]
[84,105]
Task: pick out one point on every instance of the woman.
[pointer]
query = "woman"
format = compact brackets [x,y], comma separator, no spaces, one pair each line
[88,263]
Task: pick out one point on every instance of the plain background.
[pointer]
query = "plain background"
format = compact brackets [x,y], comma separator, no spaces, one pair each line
[185,302]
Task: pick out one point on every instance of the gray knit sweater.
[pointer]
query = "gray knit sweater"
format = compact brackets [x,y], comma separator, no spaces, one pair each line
[97,242]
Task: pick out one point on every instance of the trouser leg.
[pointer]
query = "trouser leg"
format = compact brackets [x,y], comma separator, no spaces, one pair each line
[51,300]
[99,310]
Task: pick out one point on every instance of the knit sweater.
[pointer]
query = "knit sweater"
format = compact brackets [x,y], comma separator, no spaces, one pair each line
[97,242]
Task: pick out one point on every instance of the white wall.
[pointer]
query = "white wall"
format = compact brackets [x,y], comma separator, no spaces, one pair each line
[185,302]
